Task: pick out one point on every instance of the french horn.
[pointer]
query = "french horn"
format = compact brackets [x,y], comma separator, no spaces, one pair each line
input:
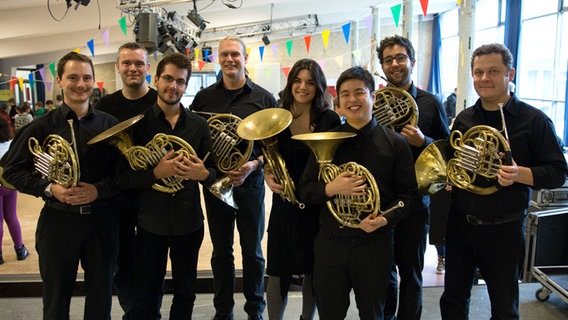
[230,151]
[148,156]
[395,108]
[264,125]
[348,210]
[56,159]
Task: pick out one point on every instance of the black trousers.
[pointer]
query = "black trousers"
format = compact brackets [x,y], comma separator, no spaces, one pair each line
[63,239]
[345,263]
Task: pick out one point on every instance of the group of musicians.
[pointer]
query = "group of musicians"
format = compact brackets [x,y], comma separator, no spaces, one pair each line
[129,205]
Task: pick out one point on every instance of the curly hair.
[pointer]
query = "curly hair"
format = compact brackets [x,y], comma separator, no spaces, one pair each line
[395,40]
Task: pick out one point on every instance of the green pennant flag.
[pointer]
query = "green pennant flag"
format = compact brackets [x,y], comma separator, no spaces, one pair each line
[52,68]
[396,13]
[122,23]
[289,46]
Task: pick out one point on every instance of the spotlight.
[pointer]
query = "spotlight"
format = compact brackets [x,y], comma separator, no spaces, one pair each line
[197,20]
[265,40]
[183,43]
[79,2]
[146,29]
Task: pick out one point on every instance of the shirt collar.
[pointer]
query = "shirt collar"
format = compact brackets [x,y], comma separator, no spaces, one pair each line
[248,83]
[68,113]
[366,130]
[511,107]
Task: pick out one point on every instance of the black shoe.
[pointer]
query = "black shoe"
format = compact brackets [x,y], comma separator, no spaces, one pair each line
[22,253]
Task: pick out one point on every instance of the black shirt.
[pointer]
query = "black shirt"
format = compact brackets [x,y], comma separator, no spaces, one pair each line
[387,156]
[165,213]
[122,108]
[96,161]
[533,143]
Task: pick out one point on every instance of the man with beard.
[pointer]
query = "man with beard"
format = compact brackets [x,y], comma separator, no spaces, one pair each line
[133,99]
[397,59]
[235,93]
[169,222]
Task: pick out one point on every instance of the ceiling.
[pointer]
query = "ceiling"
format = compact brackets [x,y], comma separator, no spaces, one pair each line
[29,34]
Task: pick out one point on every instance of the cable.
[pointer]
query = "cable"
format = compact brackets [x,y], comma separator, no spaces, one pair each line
[229,3]
[51,13]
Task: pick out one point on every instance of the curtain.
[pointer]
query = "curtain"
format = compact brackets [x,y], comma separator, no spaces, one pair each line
[435,81]
[513,27]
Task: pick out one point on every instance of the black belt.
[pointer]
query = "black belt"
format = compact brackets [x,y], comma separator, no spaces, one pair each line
[476,221]
[84,209]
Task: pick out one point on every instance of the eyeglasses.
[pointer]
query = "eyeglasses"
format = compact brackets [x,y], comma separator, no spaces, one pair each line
[400,58]
[169,79]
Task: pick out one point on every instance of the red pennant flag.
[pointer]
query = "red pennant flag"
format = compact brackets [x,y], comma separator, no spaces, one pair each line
[424,4]
[286,71]
[13,83]
[308,40]
[100,85]
[201,64]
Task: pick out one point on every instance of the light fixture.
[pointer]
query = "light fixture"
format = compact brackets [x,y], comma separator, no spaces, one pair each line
[197,19]
[146,29]
[79,2]
[265,40]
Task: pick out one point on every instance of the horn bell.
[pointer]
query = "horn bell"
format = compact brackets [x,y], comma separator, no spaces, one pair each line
[431,167]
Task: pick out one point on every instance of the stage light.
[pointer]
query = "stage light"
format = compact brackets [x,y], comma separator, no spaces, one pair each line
[146,30]
[265,40]
[197,20]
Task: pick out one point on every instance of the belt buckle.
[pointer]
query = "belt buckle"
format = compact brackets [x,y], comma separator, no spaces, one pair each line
[85,209]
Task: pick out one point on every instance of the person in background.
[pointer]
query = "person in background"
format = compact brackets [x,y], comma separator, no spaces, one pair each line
[8,200]
[291,230]
[133,99]
[397,57]
[4,113]
[39,109]
[487,231]
[169,223]
[450,105]
[235,93]
[58,100]
[49,106]
[77,223]
[13,108]
[23,117]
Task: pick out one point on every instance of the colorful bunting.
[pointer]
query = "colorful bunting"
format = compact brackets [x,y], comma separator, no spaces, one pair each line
[396,13]
[13,83]
[424,4]
[52,68]
[286,71]
[91,45]
[48,85]
[21,81]
[42,73]
[346,31]
[122,23]
[308,40]
[148,78]
[78,50]
[31,80]
[289,44]
[104,34]
[201,64]
[261,51]
[369,24]
[100,85]
[196,54]
[325,37]
[274,49]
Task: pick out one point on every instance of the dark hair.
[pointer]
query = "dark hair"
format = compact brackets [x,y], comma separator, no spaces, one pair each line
[25,106]
[177,59]
[4,107]
[319,104]
[5,130]
[48,102]
[73,56]
[356,73]
[394,40]
[494,48]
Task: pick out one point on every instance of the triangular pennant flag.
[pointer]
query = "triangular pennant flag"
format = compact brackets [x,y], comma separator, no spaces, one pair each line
[424,4]
[13,83]
[325,37]
[274,49]
[214,58]
[261,51]
[41,73]
[196,54]
[48,85]
[105,36]
[308,40]
[369,24]
[217,68]
[459,2]
[31,80]
[100,84]
[52,69]
[91,45]
[122,23]
[78,50]
[339,60]
[286,71]
[289,46]
[21,81]
[346,31]
[248,51]
[148,78]
[396,13]
[201,64]
[206,55]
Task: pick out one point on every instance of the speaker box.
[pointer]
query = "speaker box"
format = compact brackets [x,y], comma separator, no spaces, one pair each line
[146,30]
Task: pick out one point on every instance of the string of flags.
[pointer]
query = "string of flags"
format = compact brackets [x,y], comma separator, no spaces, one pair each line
[212,56]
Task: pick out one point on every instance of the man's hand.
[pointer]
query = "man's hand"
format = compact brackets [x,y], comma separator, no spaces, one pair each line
[167,166]
[346,183]
[508,174]
[83,193]
[238,176]
[413,135]
[270,179]
[191,168]
[370,224]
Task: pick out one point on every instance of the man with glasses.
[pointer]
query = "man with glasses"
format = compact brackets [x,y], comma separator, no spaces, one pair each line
[396,55]
[235,93]
[133,99]
[169,222]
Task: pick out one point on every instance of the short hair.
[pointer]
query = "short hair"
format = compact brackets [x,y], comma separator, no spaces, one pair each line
[132,46]
[25,106]
[177,59]
[235,38]
[394,40]
[4,107]
[48,101]
[319,103]
[506,55]
[356,73]
[12,100]
[5,130]
[73,56]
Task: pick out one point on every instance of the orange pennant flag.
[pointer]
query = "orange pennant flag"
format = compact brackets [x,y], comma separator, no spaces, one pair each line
[308,40]
[201,64]
[100,85]
[286,71]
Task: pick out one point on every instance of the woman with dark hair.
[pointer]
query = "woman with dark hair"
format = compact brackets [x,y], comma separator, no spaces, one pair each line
[291,230]
[8,199]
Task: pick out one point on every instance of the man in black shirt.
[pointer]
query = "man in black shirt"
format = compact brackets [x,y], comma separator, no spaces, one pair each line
[235,93]
[486,231]
[133,99]
[359,258]
[396,55]
[169,222]
[77,223]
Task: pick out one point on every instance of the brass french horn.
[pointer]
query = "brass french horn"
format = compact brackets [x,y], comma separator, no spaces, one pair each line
[230,151]
[56,160]
[148,156]
[264,125]
[395,108]
[348,210]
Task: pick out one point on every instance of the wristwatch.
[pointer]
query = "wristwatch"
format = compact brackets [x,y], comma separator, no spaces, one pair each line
[260,164]
[47,191]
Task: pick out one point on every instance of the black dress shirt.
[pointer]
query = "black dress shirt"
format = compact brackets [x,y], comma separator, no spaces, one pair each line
[162,213]
[533,143]
[387,156]
[122,108]
[96,161]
